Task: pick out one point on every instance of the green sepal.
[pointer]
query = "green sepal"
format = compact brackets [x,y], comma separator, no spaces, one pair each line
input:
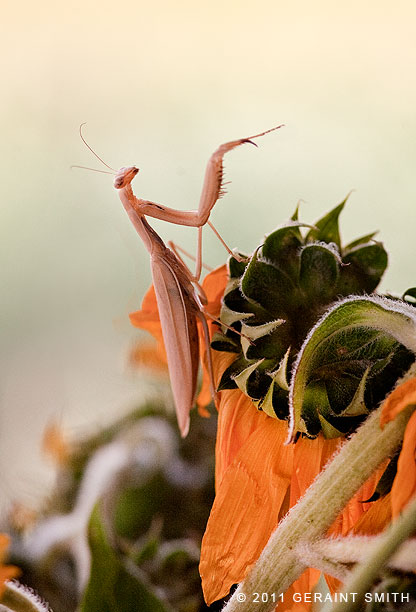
[234,301]
[315,402]
[269,287]
[266,404]
[227,379]
[327,228]
[329,431]
[393,319]
[410,293]
[112,586]
[236,268]
[363,268]
[385,483]
[318,276]
[226,344]
[280,374]
[258,382]
[255,338]
[357,405]
[283,245]
[242,378]
[229,317]
[363,240]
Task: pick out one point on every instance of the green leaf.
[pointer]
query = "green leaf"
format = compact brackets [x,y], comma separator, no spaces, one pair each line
[363,240]
[365,265]
[395,319]
[112,586]
[327,228]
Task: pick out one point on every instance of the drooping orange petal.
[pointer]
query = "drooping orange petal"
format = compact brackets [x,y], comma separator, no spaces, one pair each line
[246,507]
[356,508]
[309,459]
[150,355]
[375,519]
[238,418]
[214,285]
[404,485]
[398,400]
[148,316]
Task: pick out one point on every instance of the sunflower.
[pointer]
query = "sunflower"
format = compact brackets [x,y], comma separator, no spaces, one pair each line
[280,302]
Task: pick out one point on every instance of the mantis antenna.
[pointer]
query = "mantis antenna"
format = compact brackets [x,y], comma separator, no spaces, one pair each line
[93,169]
[93,152]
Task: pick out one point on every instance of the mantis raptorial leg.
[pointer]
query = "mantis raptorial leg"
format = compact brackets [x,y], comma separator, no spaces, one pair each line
[212,190]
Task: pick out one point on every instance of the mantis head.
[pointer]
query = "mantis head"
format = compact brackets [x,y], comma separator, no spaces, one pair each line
[125,176]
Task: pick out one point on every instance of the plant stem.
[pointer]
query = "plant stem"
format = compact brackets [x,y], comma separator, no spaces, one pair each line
[365,574]
[18,598]
[279,565]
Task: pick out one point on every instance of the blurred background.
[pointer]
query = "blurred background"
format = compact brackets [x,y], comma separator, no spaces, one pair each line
[161,85]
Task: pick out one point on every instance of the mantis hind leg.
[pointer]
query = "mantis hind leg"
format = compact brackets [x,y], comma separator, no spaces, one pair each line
[207,339]
[225,245]
[178,249]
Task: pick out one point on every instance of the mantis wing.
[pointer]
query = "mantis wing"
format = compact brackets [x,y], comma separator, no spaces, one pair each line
[180,335]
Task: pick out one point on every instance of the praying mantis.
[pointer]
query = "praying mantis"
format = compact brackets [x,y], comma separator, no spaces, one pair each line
[180,299]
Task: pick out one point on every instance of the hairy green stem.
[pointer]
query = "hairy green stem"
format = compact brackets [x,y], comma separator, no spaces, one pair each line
[279,565]
[18,598]
[365,574]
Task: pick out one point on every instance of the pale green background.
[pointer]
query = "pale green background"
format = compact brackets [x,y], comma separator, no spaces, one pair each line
[161,84]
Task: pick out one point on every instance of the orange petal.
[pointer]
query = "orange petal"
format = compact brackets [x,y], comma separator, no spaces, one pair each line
[375,519]
[309,459]
[246,507]
[7,572]
[398,400]
[214,286]
[404,485]
[238,418]
[356,509]
[149,355]
[4,545]
[148,316]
